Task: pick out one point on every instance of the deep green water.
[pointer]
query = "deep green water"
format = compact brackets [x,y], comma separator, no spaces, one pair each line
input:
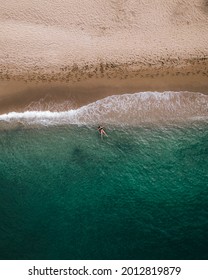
[142,193]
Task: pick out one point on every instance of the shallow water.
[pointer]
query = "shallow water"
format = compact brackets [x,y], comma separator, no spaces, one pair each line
[141,193]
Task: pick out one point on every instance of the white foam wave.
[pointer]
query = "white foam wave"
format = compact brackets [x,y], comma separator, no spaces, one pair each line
[127,109]
[39,117]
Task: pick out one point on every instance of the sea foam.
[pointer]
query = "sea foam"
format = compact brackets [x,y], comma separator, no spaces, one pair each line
[125,109]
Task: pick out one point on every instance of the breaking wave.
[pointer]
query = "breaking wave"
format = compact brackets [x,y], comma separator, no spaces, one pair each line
[126,109]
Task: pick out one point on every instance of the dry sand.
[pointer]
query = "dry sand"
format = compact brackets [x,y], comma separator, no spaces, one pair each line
[80,51]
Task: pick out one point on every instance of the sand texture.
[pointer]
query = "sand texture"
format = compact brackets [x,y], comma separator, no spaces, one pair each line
[84,50]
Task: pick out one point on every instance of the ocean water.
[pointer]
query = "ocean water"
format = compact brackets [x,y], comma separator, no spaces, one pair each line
[141,193]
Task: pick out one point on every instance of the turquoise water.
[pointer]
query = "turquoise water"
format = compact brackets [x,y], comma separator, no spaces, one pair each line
[141,193]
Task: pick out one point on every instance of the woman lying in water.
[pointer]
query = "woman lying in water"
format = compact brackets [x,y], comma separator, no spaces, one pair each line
[102,131]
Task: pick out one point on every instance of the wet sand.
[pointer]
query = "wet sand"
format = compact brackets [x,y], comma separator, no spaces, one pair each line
[19,95]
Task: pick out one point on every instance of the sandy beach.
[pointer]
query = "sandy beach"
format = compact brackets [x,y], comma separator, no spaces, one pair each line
[70,53]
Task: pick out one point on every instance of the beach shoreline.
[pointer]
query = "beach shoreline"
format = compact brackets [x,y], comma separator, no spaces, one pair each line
[53,90]
[80,52]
